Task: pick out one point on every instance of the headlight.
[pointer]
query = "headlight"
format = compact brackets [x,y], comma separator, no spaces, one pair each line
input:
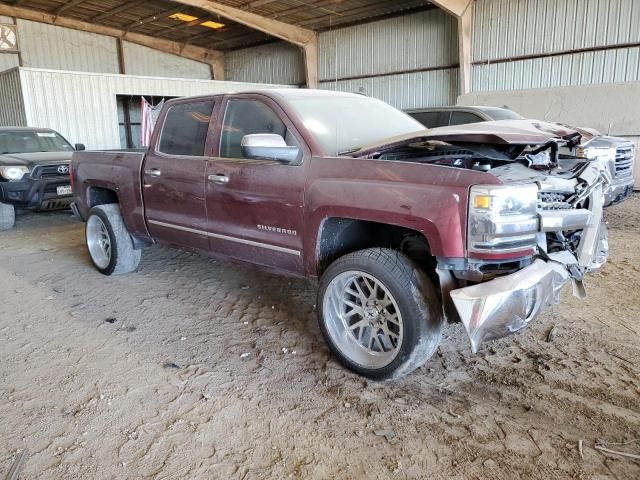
[605,156]
[13,173]
[502,219]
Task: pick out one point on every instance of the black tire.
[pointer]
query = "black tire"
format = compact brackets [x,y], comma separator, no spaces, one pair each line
[7,216]
[417,300]
[124,257]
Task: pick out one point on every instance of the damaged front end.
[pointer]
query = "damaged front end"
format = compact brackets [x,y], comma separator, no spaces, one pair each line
[571,240]
[526,238]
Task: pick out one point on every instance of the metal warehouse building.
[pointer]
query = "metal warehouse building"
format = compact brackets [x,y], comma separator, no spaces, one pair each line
[319,239]
[558,60]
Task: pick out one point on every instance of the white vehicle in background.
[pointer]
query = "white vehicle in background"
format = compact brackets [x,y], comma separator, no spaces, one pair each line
[616,154]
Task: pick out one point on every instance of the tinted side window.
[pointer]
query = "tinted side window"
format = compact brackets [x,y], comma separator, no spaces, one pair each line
[247,117]
[461,118]
[185,129]
[432,119]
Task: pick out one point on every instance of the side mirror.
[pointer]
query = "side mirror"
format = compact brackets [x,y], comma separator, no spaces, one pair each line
[80,146]
[268,146]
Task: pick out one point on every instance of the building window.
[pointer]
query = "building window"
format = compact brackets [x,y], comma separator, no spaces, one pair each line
[130,118]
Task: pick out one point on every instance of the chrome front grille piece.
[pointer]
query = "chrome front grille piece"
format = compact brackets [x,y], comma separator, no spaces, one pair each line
[50,171]
[624,161]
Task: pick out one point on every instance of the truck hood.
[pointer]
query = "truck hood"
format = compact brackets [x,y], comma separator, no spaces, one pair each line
[499,132]
[32,159]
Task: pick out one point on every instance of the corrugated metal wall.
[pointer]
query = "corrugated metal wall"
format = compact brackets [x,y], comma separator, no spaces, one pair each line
[82,106]
[557,32]
[408,61]
[51,47]
[48,46]
[11,106]
[140,60]
[278,62]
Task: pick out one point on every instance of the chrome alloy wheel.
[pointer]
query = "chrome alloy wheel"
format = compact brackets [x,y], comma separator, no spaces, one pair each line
[363,319]
[98,241]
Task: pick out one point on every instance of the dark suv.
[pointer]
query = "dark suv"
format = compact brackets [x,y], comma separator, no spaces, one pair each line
[34,171]
[445,116]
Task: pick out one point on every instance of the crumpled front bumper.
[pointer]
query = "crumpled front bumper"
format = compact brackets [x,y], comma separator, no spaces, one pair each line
[500,307]
[618,192]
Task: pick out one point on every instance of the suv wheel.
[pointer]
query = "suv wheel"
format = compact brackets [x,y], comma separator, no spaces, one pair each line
[7,216]
[379,313]
[108,241]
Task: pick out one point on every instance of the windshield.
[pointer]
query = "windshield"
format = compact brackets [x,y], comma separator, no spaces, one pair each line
[501,114]
[344,124]
[30,142]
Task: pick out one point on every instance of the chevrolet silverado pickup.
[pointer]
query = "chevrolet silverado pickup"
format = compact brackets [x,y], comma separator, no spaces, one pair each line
[616,154]
[405,228]
[34,171]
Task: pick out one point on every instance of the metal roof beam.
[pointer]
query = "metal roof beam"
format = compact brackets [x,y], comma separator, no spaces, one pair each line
[304,38]
[284,31]
[454,7]
[154,17]
[67,6]
[463,10]
[214,58]
[116,10]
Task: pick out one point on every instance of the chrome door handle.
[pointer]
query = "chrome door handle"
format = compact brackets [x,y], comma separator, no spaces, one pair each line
[219,179]
[153,172]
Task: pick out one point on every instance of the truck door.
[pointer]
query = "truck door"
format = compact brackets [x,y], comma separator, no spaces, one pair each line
[256,207]
[173,175]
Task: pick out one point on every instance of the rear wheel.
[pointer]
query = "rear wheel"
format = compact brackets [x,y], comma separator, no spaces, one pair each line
[379,313]
[109,242]
[7,216]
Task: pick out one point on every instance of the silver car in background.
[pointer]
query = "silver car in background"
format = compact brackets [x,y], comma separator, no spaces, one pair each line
[615,154]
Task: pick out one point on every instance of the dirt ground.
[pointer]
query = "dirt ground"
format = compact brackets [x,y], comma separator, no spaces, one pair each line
[146,376]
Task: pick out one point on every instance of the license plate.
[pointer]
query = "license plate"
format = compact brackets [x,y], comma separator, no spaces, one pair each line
[64,190]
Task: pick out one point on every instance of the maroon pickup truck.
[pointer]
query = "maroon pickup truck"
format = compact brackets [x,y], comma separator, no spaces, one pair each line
[406,228]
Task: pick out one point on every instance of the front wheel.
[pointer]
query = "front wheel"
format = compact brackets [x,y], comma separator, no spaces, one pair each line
[109,243]
[379,313]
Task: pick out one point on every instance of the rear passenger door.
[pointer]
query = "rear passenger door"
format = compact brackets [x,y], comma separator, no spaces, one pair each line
[173,175]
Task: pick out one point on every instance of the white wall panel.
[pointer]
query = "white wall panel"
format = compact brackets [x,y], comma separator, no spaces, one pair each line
[11,105]
[48,46]
[507,28]
[410,42]
[7,61]
[278,62]
[140,60]
[82,106]
[551,34]
[409,90]
[603,66]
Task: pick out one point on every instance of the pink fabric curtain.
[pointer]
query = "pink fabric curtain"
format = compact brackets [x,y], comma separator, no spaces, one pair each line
[148,117]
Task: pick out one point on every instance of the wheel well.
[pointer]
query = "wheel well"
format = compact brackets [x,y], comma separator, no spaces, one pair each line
[101,196]
[340,236]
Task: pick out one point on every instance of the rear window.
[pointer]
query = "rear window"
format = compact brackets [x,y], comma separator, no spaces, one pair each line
[432,119]
[462,118]
[185,129]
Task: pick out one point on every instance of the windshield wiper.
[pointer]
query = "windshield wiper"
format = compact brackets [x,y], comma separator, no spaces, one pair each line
[347,152]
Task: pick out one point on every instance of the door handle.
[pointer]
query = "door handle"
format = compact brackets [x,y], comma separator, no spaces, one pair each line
[153,172]
[219,179]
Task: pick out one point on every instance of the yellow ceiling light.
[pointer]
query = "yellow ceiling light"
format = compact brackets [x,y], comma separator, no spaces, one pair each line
[183,17]
[214,25]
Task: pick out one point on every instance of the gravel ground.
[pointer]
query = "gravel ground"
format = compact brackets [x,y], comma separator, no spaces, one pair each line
[200,368]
